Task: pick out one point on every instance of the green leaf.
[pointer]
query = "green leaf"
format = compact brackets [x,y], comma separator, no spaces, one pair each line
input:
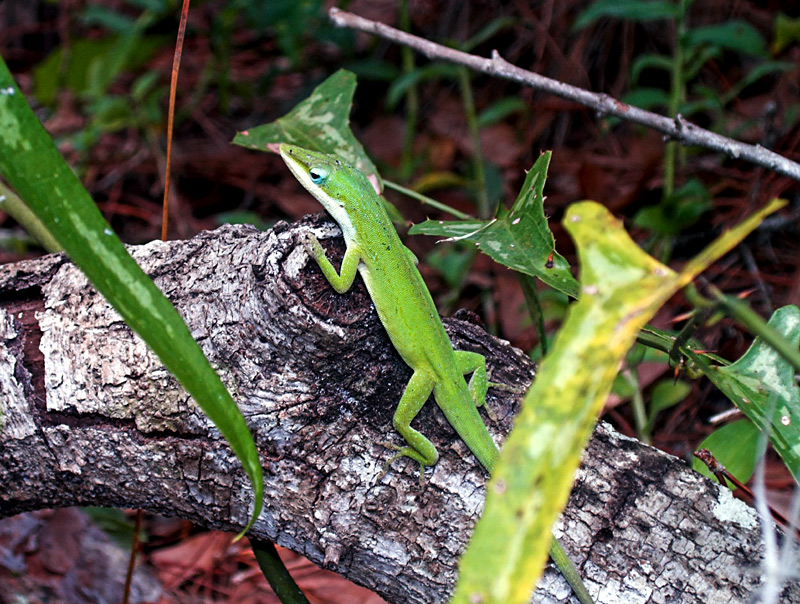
[676,212]
[649,61]
[31,164]
[647,98]
[488,31]
[786,31]
[736,36]
[762,386]
[519,239]
[696,59]
[664,394]
[621,289]
[320,123]
[737,446]
[434,71]
[633,10]
[107,18]
[80,62]
[763,69]
[500,110]
[452,263]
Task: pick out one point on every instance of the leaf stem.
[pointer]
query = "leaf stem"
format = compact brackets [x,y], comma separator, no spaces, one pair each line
[274,570]
[751,321]
[15,207]
[427,200]
[474,133]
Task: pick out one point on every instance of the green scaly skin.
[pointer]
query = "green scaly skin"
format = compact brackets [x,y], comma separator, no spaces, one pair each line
[408,314]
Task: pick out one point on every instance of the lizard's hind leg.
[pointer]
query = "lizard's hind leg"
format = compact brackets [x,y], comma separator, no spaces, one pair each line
[474,363]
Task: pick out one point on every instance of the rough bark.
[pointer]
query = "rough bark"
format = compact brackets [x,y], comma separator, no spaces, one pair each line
[92,417]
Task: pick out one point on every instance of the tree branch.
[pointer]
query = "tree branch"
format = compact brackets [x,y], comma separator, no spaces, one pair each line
[90,417]
[677,129]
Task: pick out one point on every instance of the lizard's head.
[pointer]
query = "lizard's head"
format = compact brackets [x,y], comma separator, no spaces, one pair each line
[336,184]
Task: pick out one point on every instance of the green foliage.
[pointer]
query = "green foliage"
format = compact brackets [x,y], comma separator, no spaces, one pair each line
[734,36]
[291,21]
[86,70]
[664,395]
[434,71]
[116,525]
[787,31]
[738,446]
[693,48]
[320,123]
[518,238]
[677,211]
[621,289]
[501,109]
[633,10]
[452,263]
[31,164]
[91,66]
[762,386]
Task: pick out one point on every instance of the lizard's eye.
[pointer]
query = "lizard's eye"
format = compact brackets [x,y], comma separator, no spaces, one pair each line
[318,175]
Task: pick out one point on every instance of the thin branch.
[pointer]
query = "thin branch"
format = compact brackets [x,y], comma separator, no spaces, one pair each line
[677,129]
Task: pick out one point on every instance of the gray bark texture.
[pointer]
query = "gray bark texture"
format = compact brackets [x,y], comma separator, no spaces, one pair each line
[91,417]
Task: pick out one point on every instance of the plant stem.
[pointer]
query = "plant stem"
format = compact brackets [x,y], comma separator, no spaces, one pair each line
[474,133]
[676,97]
[12,204]
[747,317]
[412,98]
[274,570]
[637,406]
[427,200]
[534,308]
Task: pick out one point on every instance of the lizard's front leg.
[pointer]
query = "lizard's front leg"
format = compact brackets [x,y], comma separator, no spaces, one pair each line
[340,282]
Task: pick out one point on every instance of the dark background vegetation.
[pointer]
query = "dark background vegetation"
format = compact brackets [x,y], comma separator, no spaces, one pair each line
[98,73]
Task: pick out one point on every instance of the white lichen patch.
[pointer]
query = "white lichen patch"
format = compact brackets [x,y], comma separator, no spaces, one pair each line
[730,509]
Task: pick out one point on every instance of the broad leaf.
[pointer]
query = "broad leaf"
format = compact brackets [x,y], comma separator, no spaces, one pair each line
[321,123]
[633,10]
[737,36]
[736,446]
[762,385]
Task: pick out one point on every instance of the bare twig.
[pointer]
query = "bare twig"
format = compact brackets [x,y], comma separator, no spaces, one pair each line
[677,129]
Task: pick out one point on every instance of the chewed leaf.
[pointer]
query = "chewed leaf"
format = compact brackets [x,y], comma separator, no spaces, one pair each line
[520,239]
[621,289]
[320,123]
[762,385]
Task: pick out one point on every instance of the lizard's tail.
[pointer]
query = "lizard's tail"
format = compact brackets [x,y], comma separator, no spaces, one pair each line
[467,422]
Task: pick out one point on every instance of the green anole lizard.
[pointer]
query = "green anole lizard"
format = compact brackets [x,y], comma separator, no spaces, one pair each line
[408,314]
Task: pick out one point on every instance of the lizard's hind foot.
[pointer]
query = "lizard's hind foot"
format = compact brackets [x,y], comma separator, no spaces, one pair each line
[404,452]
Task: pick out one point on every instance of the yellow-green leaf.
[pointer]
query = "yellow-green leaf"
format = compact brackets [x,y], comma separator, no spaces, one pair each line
[621,288]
